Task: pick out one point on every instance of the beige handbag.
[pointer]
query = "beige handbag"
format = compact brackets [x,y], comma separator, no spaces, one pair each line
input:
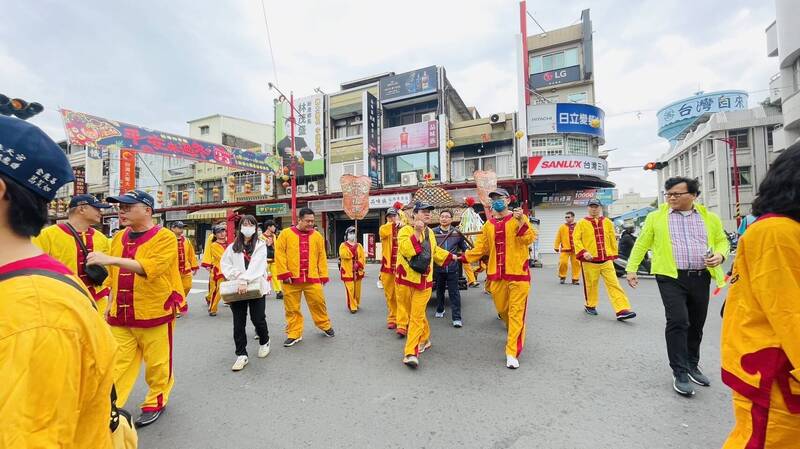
[229,290]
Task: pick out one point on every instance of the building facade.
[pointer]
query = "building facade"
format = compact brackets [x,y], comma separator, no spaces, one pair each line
[629,202]
[562,167]
[703,154]
[783,42]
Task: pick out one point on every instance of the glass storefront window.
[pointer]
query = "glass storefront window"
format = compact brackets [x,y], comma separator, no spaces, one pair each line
[425,162]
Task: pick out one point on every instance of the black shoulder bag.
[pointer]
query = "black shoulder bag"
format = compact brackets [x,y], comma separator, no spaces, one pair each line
[422,261]
[96,273]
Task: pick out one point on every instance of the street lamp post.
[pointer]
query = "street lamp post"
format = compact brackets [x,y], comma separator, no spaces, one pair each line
[731,142]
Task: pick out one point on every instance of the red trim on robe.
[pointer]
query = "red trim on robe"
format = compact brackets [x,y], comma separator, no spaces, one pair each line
[40,262]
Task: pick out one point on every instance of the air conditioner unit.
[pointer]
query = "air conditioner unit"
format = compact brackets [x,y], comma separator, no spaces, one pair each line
[429,117]
[313,187]
[408,179]
[497,119]
[302,189]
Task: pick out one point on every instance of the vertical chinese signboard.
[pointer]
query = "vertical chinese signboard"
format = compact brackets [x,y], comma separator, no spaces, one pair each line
[80,180]
[127,170]
[307,134]
[370,114]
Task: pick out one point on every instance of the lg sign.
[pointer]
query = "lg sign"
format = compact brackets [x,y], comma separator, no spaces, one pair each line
[555,77]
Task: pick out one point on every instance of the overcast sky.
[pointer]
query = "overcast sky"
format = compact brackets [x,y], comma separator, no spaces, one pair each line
[159,64]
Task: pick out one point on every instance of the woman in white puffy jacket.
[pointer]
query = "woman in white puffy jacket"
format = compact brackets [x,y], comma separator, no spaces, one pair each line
[246,261]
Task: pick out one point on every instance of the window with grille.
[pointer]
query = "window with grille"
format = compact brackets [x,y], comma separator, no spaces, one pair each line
[742,137]
[577,146]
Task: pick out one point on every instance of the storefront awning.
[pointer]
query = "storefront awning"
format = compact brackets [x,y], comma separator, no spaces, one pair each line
[208,214]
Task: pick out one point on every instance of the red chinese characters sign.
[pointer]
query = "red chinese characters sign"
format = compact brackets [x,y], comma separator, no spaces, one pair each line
[80,180]
[355,195]
[85,129]
[127,170]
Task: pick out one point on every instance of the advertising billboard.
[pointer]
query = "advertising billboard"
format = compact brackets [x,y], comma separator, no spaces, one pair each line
[674,118]
[571,118]
[308,131]
[556,77]
[127,170]
[567,165]
[371,141]
[409,84]
[92,131]
[408,138]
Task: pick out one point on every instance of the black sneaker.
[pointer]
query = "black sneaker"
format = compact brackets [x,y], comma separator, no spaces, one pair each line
[291,341]
[626,314]
[576,282]
[696,376]
[330,332]
[147,418]
[680,382]
[563,280]
[590,310]
[279,295]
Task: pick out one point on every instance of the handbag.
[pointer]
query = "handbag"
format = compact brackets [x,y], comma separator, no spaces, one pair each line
[96,273]
[421,263]
[229,290]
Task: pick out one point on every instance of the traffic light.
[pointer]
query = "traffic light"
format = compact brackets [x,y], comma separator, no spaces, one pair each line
[654,166]
[19,107]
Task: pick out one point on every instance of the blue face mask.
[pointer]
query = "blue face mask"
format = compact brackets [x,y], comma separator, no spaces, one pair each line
[498,205]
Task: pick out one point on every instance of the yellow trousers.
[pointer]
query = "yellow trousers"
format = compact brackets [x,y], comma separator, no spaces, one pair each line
[390,291]
[353,293]
[469,273]
[153,345]
[276,283]
[315,300]
[511,302]
[775,427]
[186,280]
[592,272]
[403,295]
[565,260]
[213,304]
[419,331]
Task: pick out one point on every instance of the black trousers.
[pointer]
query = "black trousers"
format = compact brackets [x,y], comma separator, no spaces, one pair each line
[685,306]
[449,281]
[257,316]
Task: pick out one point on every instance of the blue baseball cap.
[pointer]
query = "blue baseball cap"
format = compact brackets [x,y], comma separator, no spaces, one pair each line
[31,158]
[87,200]
[422,205]
[133,197]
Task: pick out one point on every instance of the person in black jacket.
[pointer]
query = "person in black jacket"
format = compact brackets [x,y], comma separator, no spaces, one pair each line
[449,238]
[626,241]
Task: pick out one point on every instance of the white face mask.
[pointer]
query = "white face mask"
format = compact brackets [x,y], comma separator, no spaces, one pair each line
[248,231]
[351,237]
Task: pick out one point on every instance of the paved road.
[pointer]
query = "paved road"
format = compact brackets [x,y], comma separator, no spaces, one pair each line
[584,382]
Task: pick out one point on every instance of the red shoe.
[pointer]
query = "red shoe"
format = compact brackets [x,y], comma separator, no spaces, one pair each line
[401,332]
[391,326]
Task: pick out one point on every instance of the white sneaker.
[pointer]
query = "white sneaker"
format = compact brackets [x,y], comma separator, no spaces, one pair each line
[425,346]
[512,362]
[457,323]
[439,315]
[380,284]
[411,361]
[263,350]
[241,361]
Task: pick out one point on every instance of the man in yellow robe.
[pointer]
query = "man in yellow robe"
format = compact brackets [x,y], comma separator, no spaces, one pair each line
[565,246]
[418,252]
[505,239]
[212,258]
[388,235]
[596,248]
[187,259]
[352,262]
[147,292]
[302,266]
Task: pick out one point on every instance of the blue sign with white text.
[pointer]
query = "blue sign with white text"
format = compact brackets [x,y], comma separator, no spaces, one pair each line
[578,118]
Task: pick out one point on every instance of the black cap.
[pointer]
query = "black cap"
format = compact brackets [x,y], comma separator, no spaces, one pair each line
[31,158]
[594,202]
[133,197]
[421,205]
[391,211]
[87,200]
[500,192]
[178,224]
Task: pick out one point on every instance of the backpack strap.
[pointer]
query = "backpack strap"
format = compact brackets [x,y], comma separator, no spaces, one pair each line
[49,274]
